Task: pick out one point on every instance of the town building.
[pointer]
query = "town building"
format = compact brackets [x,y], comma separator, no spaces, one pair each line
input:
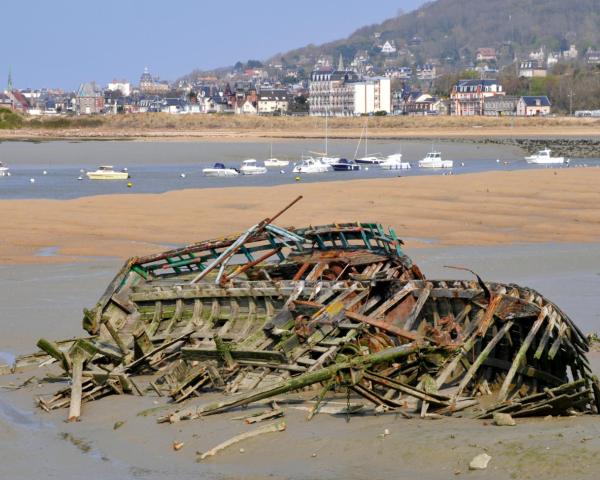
[389,47]
[553,59]
[331,92]
[467,97]
[571,54]
[417,103]
[532,69]
[122,86]
[592,57]
[18,101]
[402,73]
[486,55]
[426,72]
[273,101]
[372,95]
[344,93]
[89,99]
[533,106]
[152,85]
[500,105]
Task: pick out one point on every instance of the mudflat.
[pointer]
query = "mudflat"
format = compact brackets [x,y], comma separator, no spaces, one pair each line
[46,300]
[493,208]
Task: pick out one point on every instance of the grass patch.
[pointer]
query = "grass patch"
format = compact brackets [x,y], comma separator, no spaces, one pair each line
[10,119]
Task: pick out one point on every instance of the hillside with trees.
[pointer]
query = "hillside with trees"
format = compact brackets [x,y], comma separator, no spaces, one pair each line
[451,31]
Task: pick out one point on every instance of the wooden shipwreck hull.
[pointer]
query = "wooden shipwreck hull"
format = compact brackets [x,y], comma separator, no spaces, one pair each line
[274,310]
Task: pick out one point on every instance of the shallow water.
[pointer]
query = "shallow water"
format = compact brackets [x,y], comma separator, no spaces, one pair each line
[156,167]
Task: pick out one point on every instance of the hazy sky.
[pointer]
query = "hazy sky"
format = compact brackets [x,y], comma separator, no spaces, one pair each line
[60,43]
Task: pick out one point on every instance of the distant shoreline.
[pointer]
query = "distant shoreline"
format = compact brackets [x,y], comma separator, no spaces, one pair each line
[165,127]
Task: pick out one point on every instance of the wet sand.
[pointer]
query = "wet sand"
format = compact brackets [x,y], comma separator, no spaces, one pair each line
[495,208]
[37,444]
[539,229]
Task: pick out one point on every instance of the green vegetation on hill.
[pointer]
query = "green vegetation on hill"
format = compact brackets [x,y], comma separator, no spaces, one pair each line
[451,31]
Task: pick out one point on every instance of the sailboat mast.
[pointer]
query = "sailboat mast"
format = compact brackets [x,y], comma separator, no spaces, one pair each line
[326,133]
[366,137]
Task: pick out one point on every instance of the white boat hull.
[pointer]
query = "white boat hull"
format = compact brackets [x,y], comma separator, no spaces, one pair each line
[369,160]
[253,171]
[545,161]
[275,163]
[440,164]
[217,172]
[3,172]
[108,176]
[395,166]
[300,169]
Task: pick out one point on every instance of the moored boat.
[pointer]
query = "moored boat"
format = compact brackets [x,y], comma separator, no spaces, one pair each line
[219,170]
[249,167]
[275,162]
[434,160]
[543,157]
[370,160]
[345,165]
[394,162]
[107,172]
[310,165]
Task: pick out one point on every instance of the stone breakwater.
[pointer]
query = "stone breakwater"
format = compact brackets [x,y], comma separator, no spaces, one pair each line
[565,147]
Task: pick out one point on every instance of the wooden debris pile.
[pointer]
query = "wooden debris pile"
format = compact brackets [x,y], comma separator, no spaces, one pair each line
[340,307]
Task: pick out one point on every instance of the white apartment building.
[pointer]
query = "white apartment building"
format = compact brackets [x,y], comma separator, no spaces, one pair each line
[123,85]
[344,93]
[372,95]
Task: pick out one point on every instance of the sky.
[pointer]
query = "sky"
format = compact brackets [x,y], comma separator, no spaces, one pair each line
[61,43]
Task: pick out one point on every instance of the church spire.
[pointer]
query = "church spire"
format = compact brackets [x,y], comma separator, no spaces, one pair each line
[341,64]
[10,81]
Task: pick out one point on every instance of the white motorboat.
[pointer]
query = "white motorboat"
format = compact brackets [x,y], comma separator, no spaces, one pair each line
[543,158]
[329,160]
[275,162]
[3,170]
[370,160]
[345,165]
[249,167]
[219,170]
[107,172]
[310,165]
[434,160]
[394,162]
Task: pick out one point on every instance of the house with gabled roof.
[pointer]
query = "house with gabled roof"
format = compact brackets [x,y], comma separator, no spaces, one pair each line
[467,97]
[89,99]
[532,106]
[389,47]
[486,55]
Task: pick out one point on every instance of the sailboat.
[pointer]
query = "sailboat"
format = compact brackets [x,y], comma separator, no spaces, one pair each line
[324,157]
[275,162]
[367,159]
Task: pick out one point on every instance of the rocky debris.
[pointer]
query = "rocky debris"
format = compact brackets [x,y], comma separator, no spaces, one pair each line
[480,462]
[503,420]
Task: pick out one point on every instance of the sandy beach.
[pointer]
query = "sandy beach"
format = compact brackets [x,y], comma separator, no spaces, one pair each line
[492,208]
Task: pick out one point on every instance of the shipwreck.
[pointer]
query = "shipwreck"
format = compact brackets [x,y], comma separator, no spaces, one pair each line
[340,308]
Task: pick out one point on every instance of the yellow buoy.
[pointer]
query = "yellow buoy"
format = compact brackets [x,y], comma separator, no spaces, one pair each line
[297,179]
[129,184]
